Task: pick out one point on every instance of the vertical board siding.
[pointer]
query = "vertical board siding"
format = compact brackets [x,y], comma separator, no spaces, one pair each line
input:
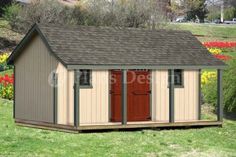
[33,92]
[186,99]
[160,97]
[187,104]
[65,95]
[94,101]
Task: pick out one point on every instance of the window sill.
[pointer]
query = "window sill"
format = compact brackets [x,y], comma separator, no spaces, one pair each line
[86,87]
[178,86]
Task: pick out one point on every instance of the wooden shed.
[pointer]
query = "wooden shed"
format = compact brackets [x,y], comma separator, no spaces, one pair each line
[85,78]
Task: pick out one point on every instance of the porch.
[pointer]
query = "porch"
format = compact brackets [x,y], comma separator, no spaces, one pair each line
[124,123]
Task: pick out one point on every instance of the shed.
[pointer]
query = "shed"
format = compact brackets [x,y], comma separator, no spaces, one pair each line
[83,78]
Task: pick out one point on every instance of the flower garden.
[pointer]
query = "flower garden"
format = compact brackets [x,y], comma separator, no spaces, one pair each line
[225,51]
[6,80]
[219,50]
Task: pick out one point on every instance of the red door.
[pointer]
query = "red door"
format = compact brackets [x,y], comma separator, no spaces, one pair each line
[138,96]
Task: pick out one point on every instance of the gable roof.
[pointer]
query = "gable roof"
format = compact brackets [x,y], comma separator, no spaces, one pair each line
[103,46]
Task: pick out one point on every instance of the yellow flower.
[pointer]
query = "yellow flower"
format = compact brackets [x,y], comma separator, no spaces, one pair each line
[214,51]
[207,76]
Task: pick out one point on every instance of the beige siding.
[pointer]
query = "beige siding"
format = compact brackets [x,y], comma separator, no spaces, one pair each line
[94,101]
[65,95]
[160,96]
[34,95]
[186,99]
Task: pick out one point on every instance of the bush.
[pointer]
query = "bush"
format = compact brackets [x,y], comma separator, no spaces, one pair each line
[120,13]
[230,86]
[21,18]
[11,14]
[209,91]
[3,4]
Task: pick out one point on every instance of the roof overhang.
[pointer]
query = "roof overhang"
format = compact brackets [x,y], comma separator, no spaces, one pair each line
[152,67]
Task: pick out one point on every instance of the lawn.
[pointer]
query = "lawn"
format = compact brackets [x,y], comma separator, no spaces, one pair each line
[212,32]
[23,141]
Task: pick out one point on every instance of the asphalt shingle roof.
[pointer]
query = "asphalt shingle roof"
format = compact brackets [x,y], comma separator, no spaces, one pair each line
[85,45]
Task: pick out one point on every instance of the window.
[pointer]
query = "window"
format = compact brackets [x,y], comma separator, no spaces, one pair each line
[85,78]
[178,78]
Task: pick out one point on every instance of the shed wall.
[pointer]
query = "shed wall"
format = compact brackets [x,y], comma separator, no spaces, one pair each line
[94,106]
[65,96]
[186,98]
[33,93]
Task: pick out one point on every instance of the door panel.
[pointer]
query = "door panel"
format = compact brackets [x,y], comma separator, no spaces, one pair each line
[115,93]
[138,96]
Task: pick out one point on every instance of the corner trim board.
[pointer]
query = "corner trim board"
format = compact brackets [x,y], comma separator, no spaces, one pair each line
[199,94]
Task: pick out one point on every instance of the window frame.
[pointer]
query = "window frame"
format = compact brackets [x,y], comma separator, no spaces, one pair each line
[182,79]
[90,79]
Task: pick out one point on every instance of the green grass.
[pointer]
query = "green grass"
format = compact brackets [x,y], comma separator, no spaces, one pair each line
[23,141]
[212,31]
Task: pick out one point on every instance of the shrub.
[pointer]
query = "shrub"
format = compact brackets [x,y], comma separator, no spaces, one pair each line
[21,18]
[11,14]
[209,91]
[3,4]
[230,86]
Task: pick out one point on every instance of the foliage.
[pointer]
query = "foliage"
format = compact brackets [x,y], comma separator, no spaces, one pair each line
[3,4]
[209,90]
[3,62]
[11,14]
[230,13]
[122,13]
[21,18]
[230,86]
[6,86]
[196,9]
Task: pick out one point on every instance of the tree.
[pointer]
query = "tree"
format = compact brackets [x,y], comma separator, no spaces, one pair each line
[196,9]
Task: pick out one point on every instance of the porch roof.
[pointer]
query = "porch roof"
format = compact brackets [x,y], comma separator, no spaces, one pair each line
[116,47]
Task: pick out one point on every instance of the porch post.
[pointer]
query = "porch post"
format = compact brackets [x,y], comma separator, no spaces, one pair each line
[199,95]
[55,97]
[124,97]
[76,98]
[171,97]
[219,95]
